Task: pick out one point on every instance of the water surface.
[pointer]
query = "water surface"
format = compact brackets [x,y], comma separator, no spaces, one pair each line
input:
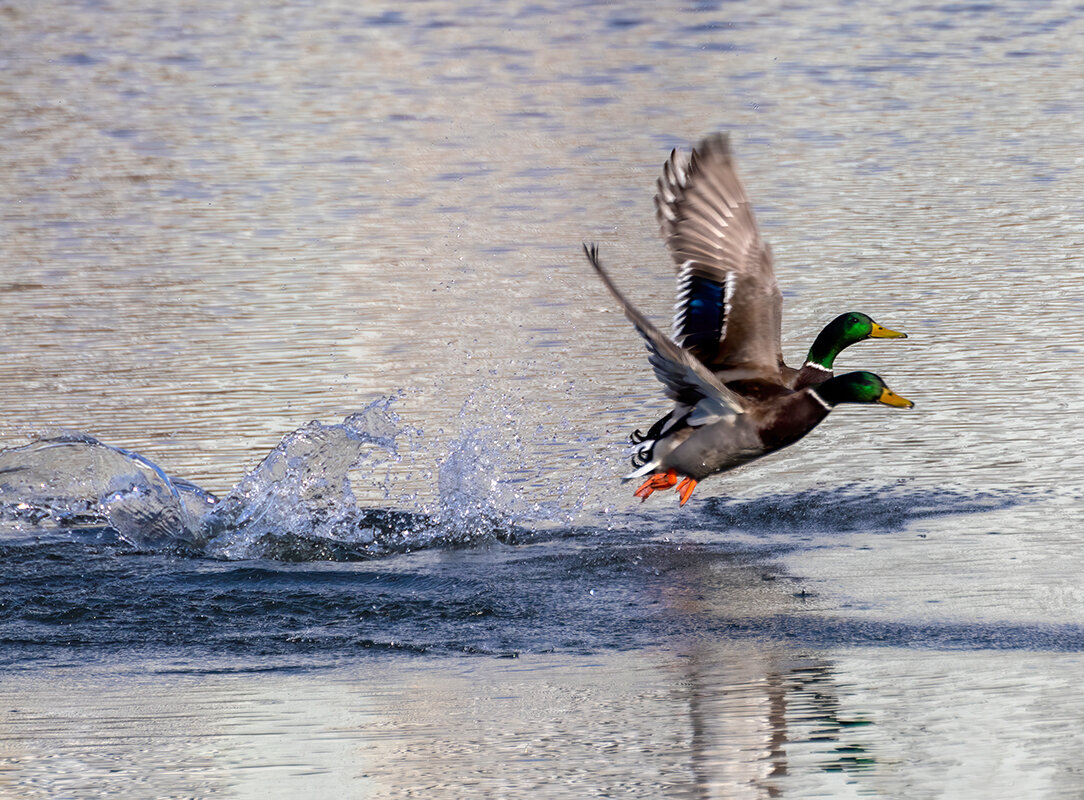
[220,225]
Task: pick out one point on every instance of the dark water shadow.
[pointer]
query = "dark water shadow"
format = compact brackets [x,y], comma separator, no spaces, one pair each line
[561,596]
[821,632]
[851,507]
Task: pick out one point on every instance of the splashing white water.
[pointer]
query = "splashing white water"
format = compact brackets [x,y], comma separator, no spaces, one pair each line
[76,482]
[304,485]
[471,494]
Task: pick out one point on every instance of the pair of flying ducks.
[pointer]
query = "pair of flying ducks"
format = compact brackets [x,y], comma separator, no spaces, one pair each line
[734,398]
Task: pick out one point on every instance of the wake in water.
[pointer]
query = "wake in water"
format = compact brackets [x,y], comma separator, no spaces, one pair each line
[297,504]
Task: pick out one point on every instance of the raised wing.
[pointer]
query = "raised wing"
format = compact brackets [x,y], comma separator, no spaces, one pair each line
[729,308]
[687,381]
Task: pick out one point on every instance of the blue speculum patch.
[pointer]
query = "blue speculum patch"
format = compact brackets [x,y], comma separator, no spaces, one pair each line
[702,322]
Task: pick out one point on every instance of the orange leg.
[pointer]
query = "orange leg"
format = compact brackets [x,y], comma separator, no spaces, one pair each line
[660,480]
[685,489]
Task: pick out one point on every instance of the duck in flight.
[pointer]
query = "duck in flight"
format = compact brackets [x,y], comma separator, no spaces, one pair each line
[735,400]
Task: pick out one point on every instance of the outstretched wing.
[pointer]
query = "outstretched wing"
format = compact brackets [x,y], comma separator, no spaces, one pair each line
[729,308]
[687,381]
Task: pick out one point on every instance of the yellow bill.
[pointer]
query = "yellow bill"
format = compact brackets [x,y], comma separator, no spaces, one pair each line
[881,332]
[890,398]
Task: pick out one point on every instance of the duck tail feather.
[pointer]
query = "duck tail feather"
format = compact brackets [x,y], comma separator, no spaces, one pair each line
[646,469]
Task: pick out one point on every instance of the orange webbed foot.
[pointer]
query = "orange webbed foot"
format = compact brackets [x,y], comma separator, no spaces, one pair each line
[660,480]
[685,489]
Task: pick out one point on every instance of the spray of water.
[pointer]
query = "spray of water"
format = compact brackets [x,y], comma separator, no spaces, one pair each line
[301,502]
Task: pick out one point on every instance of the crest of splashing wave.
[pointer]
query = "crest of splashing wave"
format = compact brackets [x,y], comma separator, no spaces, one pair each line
[299,503]
[73,482]
[303,491]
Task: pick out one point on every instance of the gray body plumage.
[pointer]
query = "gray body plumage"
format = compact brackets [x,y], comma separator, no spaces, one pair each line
[703,451]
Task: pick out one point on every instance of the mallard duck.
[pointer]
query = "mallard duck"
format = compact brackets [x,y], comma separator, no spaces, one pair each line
[735,399]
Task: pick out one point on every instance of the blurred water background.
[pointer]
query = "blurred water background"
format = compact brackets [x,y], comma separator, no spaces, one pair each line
[315,415]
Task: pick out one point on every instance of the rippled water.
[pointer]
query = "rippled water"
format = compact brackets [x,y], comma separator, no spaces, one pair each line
[314,415]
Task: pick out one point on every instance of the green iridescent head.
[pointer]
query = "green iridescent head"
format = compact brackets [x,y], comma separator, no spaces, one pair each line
[859,387]
[842,332]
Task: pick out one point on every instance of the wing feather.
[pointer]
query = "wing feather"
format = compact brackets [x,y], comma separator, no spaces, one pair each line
[686,380]
[708,224]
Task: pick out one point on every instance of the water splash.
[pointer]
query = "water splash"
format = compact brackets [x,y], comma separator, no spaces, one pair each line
[300,499]
[73,482]
[513,465]
[471,493]
[298,504]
